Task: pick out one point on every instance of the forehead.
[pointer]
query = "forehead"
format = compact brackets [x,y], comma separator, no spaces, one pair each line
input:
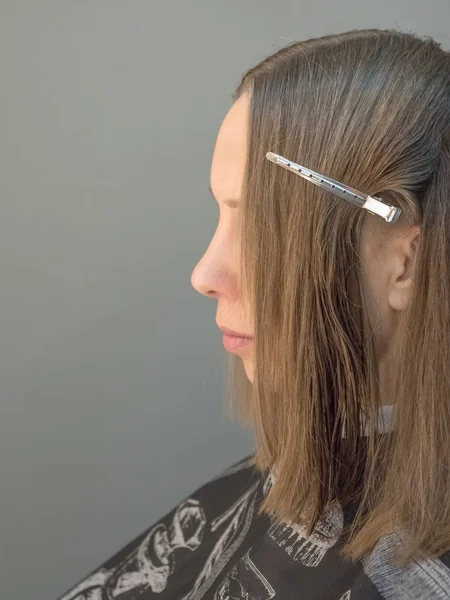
[228,163]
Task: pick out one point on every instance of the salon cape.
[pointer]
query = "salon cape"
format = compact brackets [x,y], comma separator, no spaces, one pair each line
[213,546]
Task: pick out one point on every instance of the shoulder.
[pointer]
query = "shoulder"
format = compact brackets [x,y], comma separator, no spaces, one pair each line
[243,469]
[187,546]
[420,579]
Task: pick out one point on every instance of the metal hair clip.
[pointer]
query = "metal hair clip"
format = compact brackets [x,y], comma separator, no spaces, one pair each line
[372,204]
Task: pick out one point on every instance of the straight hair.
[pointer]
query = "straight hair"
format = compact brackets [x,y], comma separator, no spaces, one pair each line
[369,108]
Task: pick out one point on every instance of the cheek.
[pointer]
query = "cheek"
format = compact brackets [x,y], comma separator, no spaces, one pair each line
[372,290]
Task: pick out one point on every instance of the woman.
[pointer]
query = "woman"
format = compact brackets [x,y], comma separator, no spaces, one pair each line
[343,315]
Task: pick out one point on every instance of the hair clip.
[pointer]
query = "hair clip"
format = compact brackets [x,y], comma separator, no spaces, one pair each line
[372,204]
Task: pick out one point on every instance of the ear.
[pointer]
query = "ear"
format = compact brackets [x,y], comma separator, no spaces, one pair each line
[403,260]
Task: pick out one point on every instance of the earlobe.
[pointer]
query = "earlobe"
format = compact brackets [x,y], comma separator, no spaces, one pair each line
[400,294]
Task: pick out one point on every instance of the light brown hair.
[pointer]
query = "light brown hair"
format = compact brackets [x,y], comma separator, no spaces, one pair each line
[369,108]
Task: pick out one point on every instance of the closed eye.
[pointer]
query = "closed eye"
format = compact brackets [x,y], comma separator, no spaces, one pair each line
[231,202]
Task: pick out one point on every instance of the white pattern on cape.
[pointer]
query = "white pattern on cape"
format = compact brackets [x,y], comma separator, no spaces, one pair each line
[310,550]
[148,567]
[234,585]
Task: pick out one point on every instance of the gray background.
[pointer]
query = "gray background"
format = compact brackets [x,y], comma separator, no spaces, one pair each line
[112,369]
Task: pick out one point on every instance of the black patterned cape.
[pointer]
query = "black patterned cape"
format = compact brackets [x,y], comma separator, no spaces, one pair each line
[213,546]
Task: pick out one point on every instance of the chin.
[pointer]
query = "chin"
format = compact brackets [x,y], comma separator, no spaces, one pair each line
[248,366]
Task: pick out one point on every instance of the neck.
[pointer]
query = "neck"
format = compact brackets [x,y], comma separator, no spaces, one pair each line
[387,372]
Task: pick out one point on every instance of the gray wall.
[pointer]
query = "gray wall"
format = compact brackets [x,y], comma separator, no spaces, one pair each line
[112,368]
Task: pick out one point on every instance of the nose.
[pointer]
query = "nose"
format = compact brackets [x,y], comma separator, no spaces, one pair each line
[196,280]
[213,275]
[203,279]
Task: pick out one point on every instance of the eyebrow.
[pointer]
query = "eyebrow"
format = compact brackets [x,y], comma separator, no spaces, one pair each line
[231,202]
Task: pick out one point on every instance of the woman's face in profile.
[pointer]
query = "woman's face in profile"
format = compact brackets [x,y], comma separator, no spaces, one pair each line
[386,258]
[216,274]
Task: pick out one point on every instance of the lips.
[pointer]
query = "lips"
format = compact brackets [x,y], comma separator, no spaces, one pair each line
[235,333]
[234,343]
